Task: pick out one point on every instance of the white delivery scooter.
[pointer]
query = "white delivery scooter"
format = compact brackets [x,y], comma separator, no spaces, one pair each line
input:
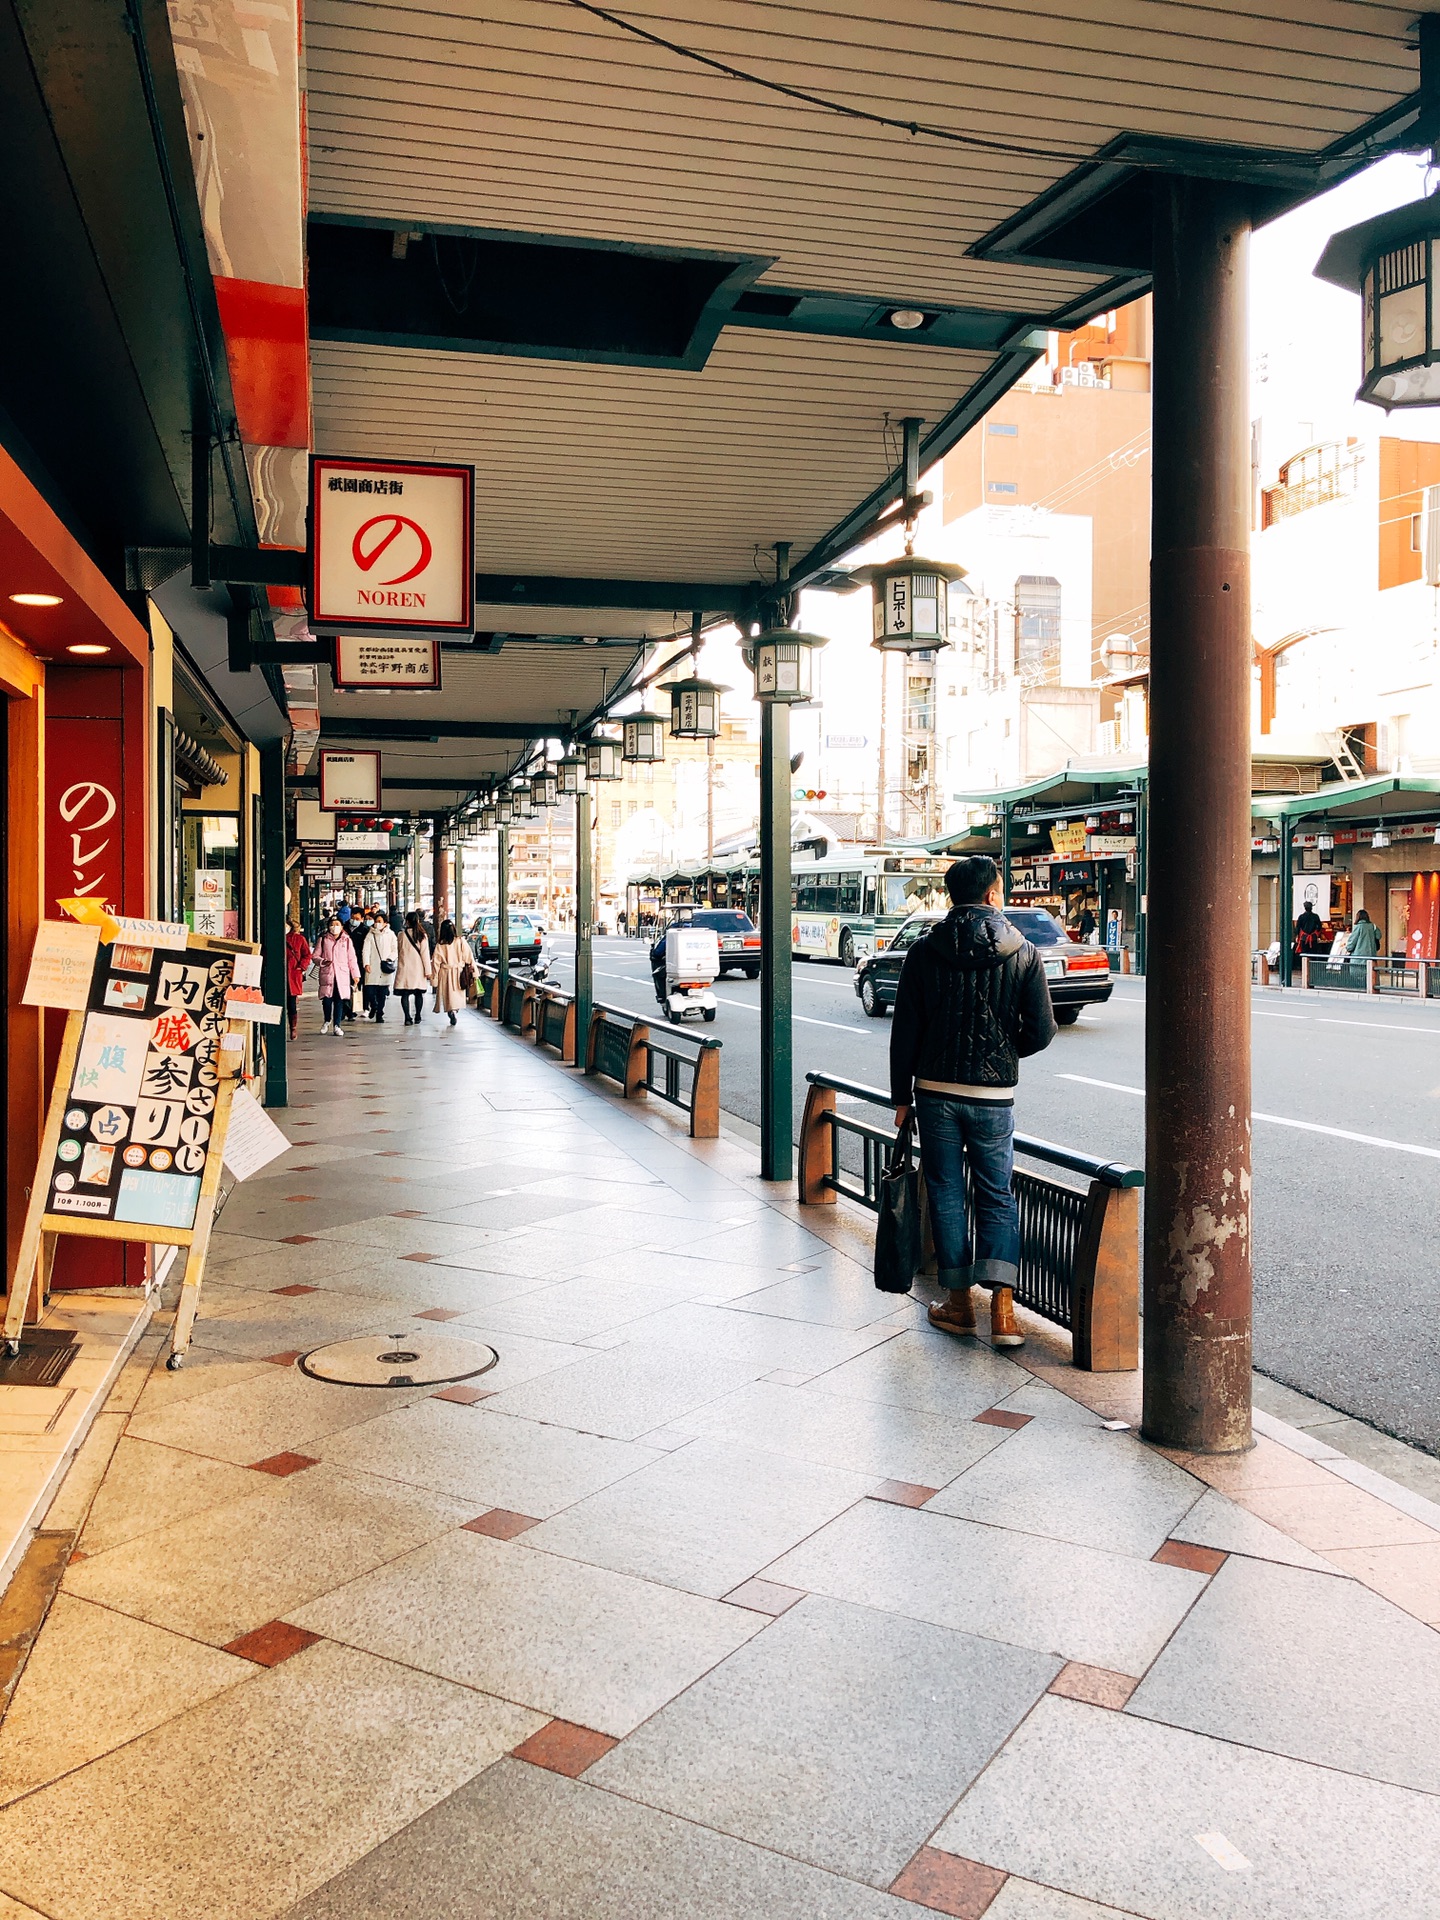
[692,964]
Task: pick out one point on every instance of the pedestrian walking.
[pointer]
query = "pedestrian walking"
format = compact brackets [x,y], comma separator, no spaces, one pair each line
[1364,941]
[298,957]
[971,1003]
[412,972]
[381,956]
[452,961]
[335,963]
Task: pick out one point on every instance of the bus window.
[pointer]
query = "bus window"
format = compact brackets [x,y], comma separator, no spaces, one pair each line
[874,894]
[849,893]
[827,896]
[805,894]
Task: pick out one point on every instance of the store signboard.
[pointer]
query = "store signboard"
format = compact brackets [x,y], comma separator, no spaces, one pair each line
[349,782]
[1068,841]
[364,661]
[313,826]
[391,547]
[1109,846]
[362,843]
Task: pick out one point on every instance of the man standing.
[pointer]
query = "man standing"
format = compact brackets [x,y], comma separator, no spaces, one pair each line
[971,1003]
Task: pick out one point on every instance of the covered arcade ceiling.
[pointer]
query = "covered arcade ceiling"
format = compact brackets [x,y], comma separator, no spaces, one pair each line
[642,269]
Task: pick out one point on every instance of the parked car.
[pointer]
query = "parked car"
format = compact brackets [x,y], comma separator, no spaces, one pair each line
[1078,976]
[738,935]
[526,938]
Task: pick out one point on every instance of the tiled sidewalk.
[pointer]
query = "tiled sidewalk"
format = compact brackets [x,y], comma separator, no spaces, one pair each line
[733,1591]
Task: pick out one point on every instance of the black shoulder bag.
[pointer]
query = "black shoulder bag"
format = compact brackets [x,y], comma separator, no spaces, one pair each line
[898,1248]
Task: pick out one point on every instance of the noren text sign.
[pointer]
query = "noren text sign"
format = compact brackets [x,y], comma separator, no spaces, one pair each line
[391,546]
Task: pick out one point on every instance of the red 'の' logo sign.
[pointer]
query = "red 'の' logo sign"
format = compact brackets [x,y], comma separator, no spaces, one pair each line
[394,524]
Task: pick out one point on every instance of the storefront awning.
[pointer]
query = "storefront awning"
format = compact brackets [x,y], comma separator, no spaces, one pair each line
[1378,798]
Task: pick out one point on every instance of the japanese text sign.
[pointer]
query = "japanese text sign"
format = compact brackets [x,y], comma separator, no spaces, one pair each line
[388,665]
[391,546]
[350,781]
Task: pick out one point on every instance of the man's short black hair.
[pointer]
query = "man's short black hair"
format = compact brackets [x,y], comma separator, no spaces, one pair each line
[968,881]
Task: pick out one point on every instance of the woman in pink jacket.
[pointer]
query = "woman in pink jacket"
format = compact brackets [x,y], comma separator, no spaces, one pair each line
[335,960]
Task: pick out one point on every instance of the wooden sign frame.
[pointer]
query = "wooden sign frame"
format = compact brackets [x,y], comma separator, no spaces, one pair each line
[35,1257]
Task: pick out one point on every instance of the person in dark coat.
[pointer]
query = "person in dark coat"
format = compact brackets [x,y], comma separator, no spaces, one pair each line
[971,1003]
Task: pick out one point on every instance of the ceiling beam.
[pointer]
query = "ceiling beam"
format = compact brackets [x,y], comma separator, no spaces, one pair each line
[333,729]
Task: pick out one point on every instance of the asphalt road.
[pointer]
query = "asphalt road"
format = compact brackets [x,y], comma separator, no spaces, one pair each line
[1347,1289]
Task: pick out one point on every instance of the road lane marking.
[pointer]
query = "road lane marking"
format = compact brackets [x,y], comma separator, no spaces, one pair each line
[1384,1026]
[1263,1013]
[803,1019]
[1279,1120]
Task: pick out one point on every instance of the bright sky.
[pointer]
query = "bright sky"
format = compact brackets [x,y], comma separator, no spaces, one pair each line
[1305,334]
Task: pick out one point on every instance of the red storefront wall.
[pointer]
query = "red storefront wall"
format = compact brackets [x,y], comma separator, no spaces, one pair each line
[95,820]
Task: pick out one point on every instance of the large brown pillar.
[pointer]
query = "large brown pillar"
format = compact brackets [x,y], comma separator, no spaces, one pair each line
[1197,1028]
[439,873]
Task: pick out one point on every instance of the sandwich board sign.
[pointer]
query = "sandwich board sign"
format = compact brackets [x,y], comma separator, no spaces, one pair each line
[391,547]
[135,1135]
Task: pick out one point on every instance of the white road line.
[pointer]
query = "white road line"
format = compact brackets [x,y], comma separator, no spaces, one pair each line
[1383,1026]
[1263,1013]
[1279,1120]
[802,1018]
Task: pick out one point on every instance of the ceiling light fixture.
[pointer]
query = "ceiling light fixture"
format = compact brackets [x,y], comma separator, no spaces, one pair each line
[907,319]
[85,646]
[36,599]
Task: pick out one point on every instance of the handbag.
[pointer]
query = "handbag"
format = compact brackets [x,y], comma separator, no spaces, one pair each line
[898,1246]
[467,977]
[387,966]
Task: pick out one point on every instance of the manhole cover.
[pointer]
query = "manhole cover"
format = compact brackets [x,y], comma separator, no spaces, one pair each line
[399,1360]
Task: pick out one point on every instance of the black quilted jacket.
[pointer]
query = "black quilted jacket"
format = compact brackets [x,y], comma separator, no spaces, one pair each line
[971,1003]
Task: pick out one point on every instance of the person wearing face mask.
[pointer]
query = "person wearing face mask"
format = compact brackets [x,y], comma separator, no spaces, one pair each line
[380,954]
[335,964]
[412,973]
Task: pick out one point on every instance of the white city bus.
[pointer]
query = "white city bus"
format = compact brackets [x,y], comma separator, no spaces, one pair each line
[850,905]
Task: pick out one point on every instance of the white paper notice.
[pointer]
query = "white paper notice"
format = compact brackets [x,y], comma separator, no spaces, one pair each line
[61,964]
[253,1140]
[247,969]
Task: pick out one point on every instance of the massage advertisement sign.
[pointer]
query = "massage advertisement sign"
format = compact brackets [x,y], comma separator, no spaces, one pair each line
[141,1101]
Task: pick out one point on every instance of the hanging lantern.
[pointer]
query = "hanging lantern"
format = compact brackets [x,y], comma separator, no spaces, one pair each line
[489,819]
[1380,838]
[1393,263]
[602,757]
[1325,842]
[909,602]
[504,810]
[1127,819]
[546,787]
[1092,823]
[782,660]
[694,709]
[643,738]
[521,800]
[572,774]
[1269,844]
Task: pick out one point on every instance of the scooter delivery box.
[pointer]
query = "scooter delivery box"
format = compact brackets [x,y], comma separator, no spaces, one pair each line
[692,956]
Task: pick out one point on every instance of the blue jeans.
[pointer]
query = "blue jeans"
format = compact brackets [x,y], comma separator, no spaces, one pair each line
[952,1131]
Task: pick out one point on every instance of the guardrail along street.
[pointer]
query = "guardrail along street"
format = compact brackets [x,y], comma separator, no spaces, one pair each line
[1079,1247]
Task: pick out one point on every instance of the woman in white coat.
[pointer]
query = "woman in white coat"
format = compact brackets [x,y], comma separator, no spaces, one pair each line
[452,957]
[412,972]
[381,958]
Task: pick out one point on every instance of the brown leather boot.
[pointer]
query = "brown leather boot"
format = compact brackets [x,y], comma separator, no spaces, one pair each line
[954,1314]
[1003,1330]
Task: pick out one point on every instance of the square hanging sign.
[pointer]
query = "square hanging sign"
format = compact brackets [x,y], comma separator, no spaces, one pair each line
[391,546]
[394,665]
[349,782]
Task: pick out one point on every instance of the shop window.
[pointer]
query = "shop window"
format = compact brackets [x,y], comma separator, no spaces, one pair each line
[1037,626]
[210,873]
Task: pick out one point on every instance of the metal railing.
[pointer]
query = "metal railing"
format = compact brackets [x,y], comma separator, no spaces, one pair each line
[553,1020]
[1079,1246]
[621,1047]
[1387,976]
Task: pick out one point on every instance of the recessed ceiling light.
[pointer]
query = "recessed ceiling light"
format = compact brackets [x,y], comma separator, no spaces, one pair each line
[87,646]
[907,319]
[36,599]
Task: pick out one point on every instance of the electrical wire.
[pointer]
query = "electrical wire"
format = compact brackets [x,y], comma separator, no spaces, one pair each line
[915,128]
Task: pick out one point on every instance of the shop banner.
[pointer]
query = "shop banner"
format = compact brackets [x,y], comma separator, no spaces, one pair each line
[1422,936]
